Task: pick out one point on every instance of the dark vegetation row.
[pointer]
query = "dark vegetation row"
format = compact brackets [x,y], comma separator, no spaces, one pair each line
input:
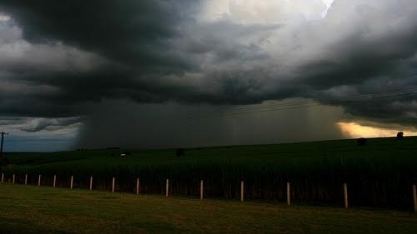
[379,174]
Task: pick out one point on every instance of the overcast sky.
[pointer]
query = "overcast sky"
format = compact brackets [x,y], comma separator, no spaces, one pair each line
[185,73]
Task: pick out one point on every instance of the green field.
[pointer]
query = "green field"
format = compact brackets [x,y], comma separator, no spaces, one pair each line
[379,174]
[30,209]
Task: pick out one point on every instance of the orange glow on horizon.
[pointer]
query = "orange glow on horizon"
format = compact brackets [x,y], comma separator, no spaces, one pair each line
[355,130]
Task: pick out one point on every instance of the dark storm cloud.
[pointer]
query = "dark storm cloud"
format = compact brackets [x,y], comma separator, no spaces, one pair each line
[125,30]
[383,68]
[80,52]
[129,39]
[376,58]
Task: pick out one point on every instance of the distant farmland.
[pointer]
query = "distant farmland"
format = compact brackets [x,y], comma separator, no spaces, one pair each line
[379,174]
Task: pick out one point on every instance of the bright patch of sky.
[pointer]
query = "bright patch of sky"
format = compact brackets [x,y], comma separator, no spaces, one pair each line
[355,130]
[265,11]
[4,18]
[328,4]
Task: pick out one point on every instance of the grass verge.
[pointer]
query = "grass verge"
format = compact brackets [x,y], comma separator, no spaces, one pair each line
[30,209]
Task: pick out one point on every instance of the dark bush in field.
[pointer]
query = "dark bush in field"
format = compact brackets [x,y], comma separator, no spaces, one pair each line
[5,161]
[400,135]
[362,141]
[179,152]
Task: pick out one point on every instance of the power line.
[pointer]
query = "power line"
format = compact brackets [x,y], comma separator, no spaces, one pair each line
[294,105]
[1,146]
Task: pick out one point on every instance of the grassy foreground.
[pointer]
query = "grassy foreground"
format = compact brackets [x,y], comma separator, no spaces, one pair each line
[30,209]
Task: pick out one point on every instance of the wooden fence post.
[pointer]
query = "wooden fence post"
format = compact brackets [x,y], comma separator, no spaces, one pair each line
[39,180]
[167,188]
[288,193]
[72,182]
[54,184]
[345,195]
[201,190]
[415,197]
[91,183]
[113,181]
[242,191]
[2,177]
[137,186]
[13,178]
[26,179]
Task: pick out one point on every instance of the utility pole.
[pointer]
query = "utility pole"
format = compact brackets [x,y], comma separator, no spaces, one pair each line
[1,146]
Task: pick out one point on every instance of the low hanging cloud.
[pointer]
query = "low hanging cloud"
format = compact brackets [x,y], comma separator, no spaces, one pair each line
[58,58]
[27,124]
[39,124]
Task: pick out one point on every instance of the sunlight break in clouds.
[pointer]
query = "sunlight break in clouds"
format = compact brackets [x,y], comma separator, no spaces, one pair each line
[355,130]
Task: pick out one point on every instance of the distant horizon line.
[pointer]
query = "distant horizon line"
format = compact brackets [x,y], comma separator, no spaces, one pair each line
[195,147]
